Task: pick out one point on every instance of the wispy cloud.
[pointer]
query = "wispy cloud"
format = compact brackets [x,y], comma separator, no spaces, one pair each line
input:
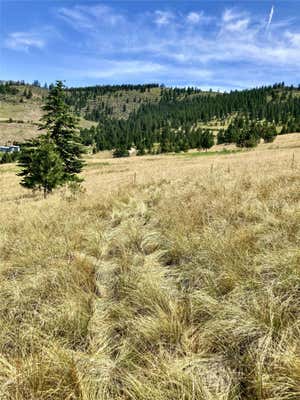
[198,17]
[294,38]
[23,41]
[234,21]
[194,17]
[166,44]
[90,17]
[113,69]
[230,14]
[163,17]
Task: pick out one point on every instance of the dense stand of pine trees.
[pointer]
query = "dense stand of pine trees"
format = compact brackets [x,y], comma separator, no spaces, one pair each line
[171,124]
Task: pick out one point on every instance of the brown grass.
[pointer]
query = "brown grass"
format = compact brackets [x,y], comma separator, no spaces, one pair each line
[25,115]
[181,283]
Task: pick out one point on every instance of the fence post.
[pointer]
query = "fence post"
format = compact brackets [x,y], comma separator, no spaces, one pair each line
[293,161]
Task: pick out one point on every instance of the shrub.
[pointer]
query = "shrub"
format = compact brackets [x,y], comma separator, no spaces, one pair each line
[120,152]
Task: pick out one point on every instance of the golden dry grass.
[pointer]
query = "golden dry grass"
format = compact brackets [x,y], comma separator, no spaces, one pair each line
[28,112]
[181,283]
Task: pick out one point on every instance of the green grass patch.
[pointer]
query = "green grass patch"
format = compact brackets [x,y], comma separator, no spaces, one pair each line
[97,164]
[210,153]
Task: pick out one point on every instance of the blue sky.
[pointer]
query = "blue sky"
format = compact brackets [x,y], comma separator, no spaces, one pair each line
[209,44]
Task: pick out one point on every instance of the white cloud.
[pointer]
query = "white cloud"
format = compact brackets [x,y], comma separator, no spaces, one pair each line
[237,26]
[236,40]
[105,14]
[229,15]
[294,38]
[163,17]
[76,17]
[90,17]
[23,41]
[194,17]
[234,21]
[113,69]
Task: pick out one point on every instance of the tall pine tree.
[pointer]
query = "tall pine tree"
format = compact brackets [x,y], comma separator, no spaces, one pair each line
[54,158]
[62,126]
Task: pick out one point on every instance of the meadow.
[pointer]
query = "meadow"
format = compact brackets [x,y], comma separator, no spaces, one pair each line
[169,277]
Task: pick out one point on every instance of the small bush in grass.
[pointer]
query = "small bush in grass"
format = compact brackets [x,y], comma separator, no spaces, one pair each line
[120,152]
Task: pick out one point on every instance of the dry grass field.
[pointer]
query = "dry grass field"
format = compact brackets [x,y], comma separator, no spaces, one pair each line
[172,277]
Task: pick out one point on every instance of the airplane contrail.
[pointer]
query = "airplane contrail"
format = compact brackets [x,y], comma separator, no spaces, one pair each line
[270,17]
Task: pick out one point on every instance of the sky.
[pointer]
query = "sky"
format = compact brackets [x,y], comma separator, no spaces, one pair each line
[222,45]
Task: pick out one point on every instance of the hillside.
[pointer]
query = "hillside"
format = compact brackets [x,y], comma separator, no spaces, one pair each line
[19,113]
[118,102]
[177,277]
[155,118]
[183,120]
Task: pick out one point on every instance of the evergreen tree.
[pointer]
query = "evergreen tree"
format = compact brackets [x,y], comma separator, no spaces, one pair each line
[121,151]
[29,94]
[247,138]
[221,137]
[54,158]
[62,127]
[42,167]
[141,150]
[269,134]
[207,140]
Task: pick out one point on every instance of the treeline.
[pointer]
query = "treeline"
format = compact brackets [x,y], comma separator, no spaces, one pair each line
[79,97]
[8,88]
[172,123]
[87,100]
[103,89]
[4,85]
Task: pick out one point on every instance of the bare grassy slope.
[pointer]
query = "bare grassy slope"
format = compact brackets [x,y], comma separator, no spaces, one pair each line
[24,114]
[185,286]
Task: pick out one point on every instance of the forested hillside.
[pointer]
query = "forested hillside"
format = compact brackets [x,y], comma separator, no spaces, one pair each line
[20,105]
[119,101]
[181,120]
[157,119]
